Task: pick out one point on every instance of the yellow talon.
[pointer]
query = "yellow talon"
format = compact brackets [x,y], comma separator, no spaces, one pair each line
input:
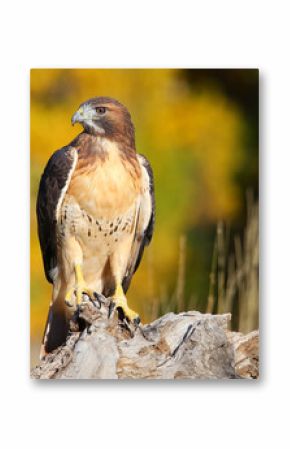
[79,289]
[120,301]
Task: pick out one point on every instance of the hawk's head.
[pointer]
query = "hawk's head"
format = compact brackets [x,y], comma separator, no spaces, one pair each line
[106,117]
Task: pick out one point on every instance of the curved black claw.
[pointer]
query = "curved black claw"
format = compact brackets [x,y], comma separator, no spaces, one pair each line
[133,325]
[111,308]
[137,321]
[97,300]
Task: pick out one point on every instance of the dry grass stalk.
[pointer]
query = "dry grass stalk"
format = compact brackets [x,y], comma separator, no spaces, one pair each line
[212,280]
[181,274]
[233,279]
[237,273]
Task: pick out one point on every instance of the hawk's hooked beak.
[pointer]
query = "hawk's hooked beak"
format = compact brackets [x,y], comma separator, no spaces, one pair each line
[87,117]
[78,117]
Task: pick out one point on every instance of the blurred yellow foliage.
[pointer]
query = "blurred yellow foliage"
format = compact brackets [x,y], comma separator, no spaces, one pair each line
[192,138]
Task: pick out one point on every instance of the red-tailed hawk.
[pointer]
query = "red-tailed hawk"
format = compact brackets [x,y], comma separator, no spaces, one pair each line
[95,211]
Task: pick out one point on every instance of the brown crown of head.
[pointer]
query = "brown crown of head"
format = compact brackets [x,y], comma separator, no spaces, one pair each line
[105,117]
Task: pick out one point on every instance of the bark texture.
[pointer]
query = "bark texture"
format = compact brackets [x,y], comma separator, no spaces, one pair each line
[187,345]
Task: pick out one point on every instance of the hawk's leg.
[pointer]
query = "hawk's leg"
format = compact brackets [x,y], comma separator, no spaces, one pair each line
[79,289]
[120,302]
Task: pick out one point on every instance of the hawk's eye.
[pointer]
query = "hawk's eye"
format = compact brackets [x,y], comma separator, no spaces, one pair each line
[100,110]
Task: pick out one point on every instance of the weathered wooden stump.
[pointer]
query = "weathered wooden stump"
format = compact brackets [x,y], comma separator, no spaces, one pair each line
[187,345]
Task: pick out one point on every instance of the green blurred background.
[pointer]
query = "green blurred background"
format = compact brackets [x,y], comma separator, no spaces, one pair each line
[199,129]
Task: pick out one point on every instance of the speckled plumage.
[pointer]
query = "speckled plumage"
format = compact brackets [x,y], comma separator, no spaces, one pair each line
[95,209]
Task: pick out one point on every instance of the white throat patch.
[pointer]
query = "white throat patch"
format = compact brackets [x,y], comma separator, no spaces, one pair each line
[94,126]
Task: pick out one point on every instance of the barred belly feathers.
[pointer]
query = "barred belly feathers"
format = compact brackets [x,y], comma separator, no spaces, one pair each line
[95,213]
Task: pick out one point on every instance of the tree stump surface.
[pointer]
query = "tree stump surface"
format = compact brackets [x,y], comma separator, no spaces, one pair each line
[188,345]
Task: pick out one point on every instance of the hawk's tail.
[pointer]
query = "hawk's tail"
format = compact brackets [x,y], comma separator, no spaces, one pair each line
[56,328]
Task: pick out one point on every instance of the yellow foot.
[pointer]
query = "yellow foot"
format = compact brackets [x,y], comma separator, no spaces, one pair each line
[119,301]
[74,296]
[76,293]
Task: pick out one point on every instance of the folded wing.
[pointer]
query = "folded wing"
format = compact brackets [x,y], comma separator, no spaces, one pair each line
[53,185]
[145,221]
